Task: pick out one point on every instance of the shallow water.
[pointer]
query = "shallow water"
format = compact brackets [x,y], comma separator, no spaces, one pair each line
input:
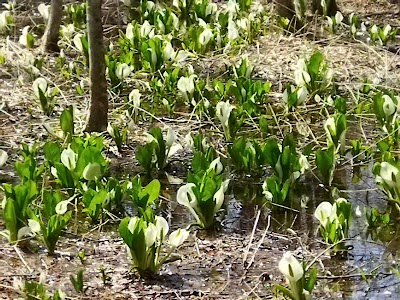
[373,257]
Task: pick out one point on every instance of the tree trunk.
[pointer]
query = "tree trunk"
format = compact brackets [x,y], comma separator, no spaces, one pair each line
[50,38]
[331,9]
[285,8]
[97,120]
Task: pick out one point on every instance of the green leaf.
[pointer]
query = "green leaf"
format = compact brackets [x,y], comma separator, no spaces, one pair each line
[78,282]
[312,280]
[67,123]
[144,155]
[325,162]
[314,63]
[152,190]
[52,152]
[283,290]
[10,219]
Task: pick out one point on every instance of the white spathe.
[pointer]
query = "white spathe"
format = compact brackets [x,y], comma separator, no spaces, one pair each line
[224,110]
[177,237]
[205,36]
[122,71]
[62,207]
[39,84]
[290,267]
[92,171]
[162,227]
[132,224]
[44,11]
[184,193]
[34,226]
[325,213]
[68,158]
[388,106]
[390,174]
[150,235]
[129,31]
[216,165]
[134,97]
[3,157]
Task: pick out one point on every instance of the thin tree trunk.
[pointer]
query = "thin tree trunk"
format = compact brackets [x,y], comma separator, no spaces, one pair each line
[285,8]
[51,35]
[97,120]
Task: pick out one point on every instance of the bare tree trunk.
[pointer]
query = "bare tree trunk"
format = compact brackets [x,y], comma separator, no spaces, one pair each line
[97,120]
[50,38]
[285,8]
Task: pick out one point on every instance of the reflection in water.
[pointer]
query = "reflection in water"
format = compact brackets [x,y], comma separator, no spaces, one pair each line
[366,255]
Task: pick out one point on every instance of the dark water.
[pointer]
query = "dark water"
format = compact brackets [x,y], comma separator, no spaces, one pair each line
[366,255]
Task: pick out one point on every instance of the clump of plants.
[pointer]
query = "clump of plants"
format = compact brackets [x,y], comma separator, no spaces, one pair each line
[334,222]
[301,280]
[204,193]
[145,237]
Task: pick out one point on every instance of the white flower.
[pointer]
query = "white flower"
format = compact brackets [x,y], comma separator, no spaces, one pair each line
[232,7]
[325,213]
[386,30]
[302,94]
[78,42]
[132,224]
[174,148]
[233,33]
[171,137]
[303,163]
[168,51]
[211,8]
[290,267]
[301,75]
[224,110]
[92,171]
[39,84]
[23,39]
[134,97]
[68,159]
[184,193]
[129,31]
[150,234]
[53,172]
[242,23]
[374,29]
[219,196]
[205,36]
[68,31]
[389,107]
[122,71]
[181,56]
[44,11]
[162,227]
[23,232]
[390,174]
[330,127]
[3,157]
[338,18]
[177,237]
[34,226]
[145,29]
[186,85]
[216,165]
[4,15]
[62,207]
